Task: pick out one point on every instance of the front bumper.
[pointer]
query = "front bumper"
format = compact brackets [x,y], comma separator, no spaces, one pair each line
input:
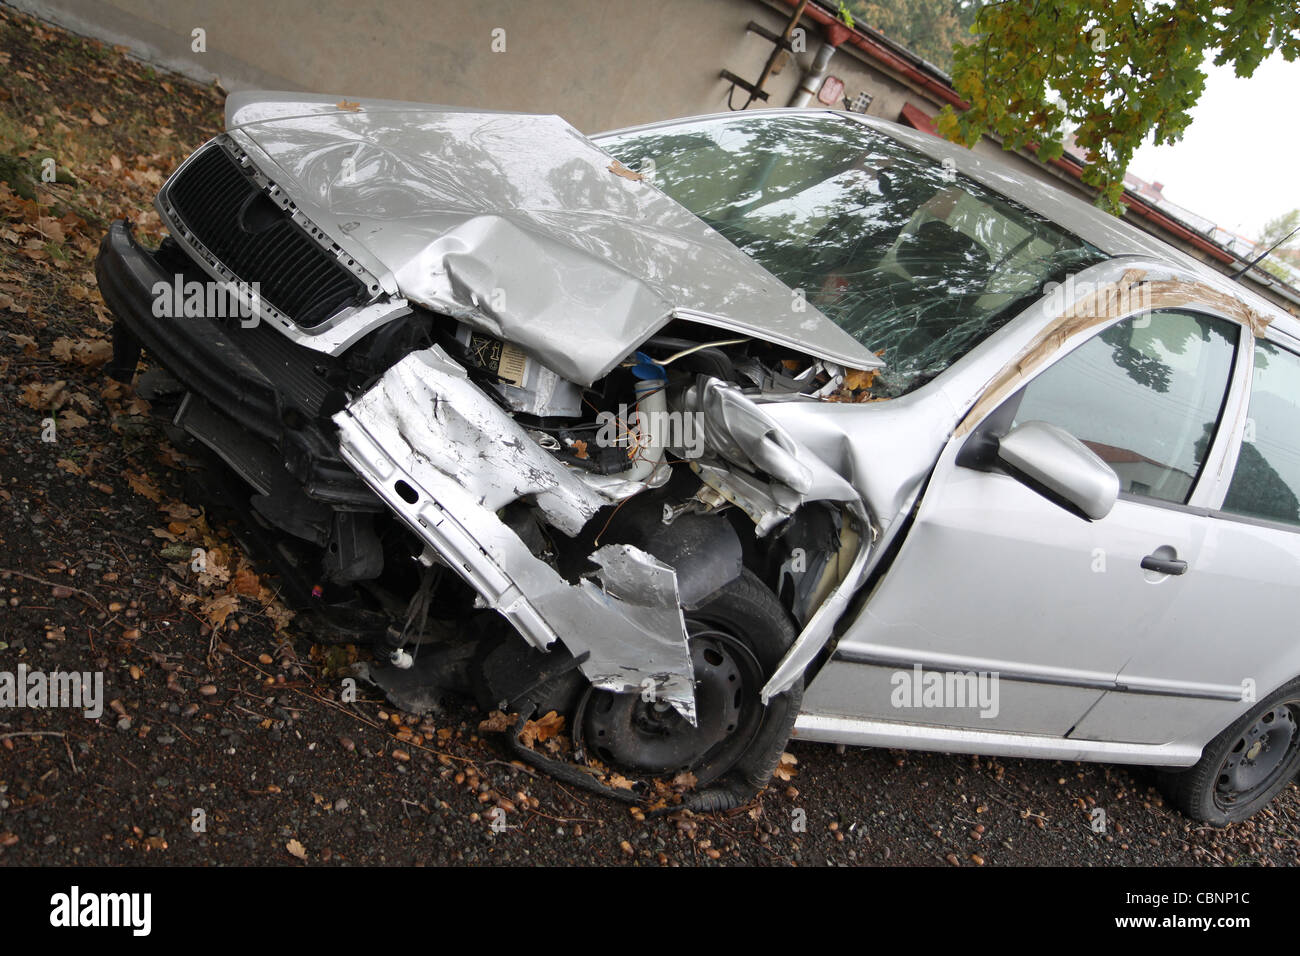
[254,378]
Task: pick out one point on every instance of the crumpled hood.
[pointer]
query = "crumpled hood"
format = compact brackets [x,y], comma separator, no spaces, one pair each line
[517,224]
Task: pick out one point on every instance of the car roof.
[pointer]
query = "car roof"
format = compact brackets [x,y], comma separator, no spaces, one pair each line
[1109,233]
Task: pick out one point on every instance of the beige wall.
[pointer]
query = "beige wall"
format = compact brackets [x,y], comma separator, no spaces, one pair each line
[601,64]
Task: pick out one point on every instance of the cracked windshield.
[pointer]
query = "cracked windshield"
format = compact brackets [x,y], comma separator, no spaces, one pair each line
[917,262]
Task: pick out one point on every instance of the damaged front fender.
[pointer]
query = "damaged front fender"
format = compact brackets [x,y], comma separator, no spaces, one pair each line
[445,458]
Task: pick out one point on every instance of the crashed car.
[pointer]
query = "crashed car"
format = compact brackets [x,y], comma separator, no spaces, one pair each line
[712,432]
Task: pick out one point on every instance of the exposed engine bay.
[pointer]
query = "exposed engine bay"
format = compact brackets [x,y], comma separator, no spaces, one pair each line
[674,434]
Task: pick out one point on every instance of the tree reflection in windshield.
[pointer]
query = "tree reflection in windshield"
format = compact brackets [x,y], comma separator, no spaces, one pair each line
[909,257]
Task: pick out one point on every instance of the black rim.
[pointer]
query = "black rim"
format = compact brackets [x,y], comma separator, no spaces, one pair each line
[1260,757]
[650,737]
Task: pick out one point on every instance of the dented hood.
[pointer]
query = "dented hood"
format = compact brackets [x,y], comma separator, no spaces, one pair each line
[520,226]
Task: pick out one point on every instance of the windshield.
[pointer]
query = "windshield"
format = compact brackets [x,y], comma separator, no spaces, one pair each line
[916,261]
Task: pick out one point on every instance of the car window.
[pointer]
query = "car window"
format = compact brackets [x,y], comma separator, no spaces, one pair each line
[1145,395]
[1266,482]
[913,259]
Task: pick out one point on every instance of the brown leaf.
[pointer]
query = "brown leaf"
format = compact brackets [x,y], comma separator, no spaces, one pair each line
[349,106]
[178,510]
[785,770]
[496,723]
[71,420]
[25,342]
[685,781]
[97,118]
[538,731]
[296,849]
[245,582]
[618,169]
[856,378]
[43,397]
[217,609]
[86,352]
[143,485]
[618,782]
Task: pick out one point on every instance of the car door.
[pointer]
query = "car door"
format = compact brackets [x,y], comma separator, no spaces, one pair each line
[1235,624]
[994,578]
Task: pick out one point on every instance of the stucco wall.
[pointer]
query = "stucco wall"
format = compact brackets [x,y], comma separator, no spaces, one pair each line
[601,64]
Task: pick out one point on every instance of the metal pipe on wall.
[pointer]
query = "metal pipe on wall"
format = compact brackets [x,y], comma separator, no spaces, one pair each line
[812,80]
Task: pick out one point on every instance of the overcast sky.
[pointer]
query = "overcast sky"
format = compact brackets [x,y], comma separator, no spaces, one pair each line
[1238,163]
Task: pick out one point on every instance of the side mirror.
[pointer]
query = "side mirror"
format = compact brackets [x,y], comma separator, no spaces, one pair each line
[1058,466]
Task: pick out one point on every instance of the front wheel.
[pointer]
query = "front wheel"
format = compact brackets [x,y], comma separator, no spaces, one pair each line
[1246,766]
[737,638]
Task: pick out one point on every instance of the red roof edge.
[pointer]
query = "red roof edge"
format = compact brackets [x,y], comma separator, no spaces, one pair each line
[917,119]
[884,55]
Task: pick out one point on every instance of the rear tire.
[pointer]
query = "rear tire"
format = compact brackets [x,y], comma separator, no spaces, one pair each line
[1245,767]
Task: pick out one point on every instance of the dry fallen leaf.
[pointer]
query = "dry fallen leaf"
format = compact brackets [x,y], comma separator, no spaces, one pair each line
[685,781]
[217,609]
[143,485]
[538,731]
[296,849]
[618,169]
[856,378]
[245,582]
[87,352]
[785,770]
[496,723]
[43,397]
[618,782]
[25,342]
[351,107]
[70,420]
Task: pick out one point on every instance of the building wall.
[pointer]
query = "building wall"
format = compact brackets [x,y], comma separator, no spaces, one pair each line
[601,64]
[598,63]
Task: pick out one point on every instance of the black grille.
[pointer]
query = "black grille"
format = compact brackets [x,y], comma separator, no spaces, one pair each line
[259,242]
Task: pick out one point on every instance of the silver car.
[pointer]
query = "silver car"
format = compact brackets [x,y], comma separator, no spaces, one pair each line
[706,434]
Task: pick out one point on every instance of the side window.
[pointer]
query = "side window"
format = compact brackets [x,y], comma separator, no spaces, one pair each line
[1145,395]
[1266,483]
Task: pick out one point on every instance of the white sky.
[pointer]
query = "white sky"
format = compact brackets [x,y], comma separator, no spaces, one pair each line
[1238,163]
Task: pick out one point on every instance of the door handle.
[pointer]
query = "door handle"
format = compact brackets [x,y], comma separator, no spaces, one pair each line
[1158,562]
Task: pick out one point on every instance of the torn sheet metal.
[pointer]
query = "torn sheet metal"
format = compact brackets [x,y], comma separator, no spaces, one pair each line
[737,429]
[643,591]
[444,457]
[766,505]
[445,422]
[517,224]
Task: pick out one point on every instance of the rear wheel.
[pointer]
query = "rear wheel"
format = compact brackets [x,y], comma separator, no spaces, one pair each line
[1246,766]
[736,639]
